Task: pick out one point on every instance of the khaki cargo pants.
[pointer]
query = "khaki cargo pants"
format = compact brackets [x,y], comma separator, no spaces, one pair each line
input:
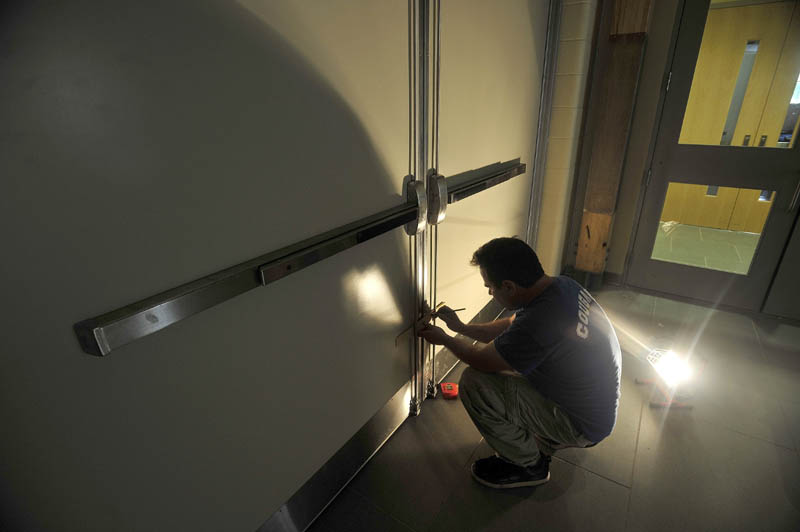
[515,419]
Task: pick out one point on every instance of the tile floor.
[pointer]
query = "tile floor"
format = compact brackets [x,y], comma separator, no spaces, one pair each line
[731,463]
[705,247]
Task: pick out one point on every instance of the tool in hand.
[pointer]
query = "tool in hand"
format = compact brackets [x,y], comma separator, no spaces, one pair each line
[427,314]
[440,305]
[426,317]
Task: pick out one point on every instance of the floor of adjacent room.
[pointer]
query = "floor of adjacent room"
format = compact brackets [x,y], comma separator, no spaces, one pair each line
[705,247]
[730,463]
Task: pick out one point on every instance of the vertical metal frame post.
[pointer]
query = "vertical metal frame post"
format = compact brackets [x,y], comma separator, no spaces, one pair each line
[419,56]
[436,185]
[543,125]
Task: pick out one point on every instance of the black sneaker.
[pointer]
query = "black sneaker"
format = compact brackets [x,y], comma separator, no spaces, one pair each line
[497,472]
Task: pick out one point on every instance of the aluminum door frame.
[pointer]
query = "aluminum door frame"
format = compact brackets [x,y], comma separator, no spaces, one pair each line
[715,165]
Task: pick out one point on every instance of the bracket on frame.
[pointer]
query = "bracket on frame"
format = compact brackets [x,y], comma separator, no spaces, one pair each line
[415,194]
[437,197]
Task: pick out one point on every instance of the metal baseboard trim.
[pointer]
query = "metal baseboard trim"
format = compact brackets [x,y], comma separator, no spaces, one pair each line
[321,489]
[300,511]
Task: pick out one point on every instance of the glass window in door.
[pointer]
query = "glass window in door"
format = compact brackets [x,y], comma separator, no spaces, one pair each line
[710,226]
[746,85]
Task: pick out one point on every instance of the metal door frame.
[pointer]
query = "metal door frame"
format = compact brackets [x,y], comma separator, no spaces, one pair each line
[716,165]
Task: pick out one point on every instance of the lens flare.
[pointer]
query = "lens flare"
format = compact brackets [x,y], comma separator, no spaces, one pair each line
[672,369]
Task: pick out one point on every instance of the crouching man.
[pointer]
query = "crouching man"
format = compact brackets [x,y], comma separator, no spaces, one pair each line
[545,379]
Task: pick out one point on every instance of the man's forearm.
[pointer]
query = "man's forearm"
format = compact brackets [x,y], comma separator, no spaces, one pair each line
[485,332]
[464,349]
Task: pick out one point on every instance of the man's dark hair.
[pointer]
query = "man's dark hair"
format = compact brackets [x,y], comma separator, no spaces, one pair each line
[508,259]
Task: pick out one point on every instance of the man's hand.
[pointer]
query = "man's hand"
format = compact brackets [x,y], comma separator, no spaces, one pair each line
[433,335]
[450,318]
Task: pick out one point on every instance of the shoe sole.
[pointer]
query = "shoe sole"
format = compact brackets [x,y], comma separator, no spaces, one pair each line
[526,484]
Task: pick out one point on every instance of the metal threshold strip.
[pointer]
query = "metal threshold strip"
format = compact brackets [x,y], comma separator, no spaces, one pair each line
[102,334]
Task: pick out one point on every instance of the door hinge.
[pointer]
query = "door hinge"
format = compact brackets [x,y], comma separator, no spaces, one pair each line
[669,80]
[647,180]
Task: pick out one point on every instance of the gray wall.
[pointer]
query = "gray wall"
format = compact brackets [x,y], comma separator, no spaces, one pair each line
[146,144]
[575,52]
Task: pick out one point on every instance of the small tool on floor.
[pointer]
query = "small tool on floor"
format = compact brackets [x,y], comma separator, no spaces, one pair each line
[449,390]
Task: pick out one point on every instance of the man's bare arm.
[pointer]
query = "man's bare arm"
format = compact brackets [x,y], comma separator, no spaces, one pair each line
[484,332]
[483,357]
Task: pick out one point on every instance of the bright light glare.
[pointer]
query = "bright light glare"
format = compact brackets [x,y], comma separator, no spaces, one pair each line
[673,369]
[372,296]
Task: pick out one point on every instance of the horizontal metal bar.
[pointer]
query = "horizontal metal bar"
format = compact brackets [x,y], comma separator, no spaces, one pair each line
[338,240]
[102,334]
[466,184]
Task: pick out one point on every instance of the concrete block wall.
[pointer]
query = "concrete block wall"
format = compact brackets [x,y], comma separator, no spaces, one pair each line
[574,54]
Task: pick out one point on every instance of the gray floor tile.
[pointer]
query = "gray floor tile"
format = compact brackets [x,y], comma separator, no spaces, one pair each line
[731,463]
[779,335]
[781,349]
[733,385]
[728,403]
[637,308]
[692,475]
[351,512]
[413,474]
[677,317]
[574,499]
[317,526]
[791,413]
[632,316]
[736,385]
[683,326]
[613,457]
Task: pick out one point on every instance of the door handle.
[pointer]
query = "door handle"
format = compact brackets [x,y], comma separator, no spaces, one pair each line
[415,195]
[437,197]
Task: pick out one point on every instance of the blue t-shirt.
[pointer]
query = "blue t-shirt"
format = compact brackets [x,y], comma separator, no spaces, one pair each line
[563,342]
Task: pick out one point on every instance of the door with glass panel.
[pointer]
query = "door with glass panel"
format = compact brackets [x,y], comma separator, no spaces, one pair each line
[723,187]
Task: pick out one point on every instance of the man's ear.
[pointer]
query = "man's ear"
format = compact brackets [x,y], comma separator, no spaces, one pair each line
[509,286]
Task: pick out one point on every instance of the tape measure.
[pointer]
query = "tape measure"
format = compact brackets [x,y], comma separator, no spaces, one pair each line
[449,390]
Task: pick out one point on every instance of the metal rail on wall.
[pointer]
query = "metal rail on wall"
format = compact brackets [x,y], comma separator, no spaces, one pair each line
[102,334]
[464,185]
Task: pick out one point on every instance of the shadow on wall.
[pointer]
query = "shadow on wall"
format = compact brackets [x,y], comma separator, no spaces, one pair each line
[144,145]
